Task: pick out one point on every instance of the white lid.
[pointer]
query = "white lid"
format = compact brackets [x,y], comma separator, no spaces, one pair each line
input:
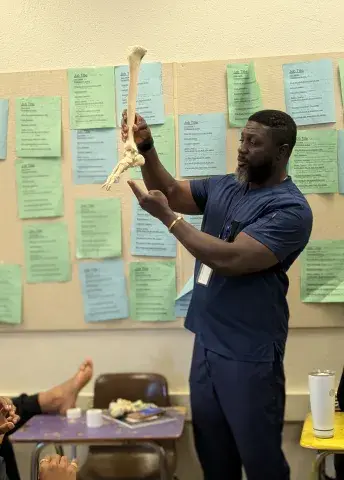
[73,413]
[322,373]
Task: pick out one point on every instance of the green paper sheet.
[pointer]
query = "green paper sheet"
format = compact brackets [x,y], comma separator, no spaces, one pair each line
[39,188]
[11,294]
[313,165]
[47,254]
[91,97]
[152,291]
[98,228]
[244,97]
[165,144]
[38,127]
[322,272]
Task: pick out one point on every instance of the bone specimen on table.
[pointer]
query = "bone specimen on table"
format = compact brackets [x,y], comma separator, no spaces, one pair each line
[132,158]
[122,406]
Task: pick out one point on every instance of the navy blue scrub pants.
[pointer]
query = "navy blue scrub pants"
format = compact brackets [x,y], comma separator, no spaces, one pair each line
[237,414]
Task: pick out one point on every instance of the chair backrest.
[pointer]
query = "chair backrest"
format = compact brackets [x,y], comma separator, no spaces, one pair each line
[148,387]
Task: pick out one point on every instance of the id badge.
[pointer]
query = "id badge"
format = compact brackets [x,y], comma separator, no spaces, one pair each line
[204,275]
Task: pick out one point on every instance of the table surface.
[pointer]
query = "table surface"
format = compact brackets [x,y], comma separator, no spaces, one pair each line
[336,443]
[58,429]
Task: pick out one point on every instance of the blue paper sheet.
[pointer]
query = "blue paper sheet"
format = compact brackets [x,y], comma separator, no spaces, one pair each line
[94,154]
[202,143]
[150,99]
[104,292]
[194,220]
[182,305]
[340,140]
[184,298]
[309,92]
[150,237]
[3,127]
[165,145]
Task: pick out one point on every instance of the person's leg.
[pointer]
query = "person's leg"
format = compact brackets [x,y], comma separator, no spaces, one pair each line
[56,400]
[7,453]
[26,408]
[62,397]
[214,442]
[339,459]
[339,466]
[252,396]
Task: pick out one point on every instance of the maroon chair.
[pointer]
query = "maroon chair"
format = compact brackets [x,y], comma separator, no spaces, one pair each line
[128,461]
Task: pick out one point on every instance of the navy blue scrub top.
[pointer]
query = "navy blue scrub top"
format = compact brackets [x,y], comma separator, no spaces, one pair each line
[246,317]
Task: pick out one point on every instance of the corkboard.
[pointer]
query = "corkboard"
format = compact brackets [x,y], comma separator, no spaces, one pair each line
[188,88]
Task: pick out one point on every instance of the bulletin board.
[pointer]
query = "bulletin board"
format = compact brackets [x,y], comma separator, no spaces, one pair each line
[189,88]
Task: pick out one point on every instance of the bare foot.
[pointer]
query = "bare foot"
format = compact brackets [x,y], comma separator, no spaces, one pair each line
[62,397]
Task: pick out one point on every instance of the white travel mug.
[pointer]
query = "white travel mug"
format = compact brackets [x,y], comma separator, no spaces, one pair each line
[322,399]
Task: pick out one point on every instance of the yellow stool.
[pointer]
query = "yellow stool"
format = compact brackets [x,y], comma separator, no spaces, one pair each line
[324,446]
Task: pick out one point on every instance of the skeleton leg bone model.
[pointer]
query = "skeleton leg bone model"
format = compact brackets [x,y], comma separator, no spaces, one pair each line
[132,158]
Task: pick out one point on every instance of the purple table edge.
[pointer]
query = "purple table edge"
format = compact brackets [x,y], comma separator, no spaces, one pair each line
[56,429]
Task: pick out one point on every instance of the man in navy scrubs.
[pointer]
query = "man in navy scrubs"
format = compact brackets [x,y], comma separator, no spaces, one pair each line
[255,224]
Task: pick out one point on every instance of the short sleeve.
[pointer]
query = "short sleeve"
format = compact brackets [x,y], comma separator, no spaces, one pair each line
[202,188]
[200,192]
[284,231]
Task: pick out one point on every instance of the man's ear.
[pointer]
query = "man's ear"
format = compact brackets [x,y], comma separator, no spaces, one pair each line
[284,151]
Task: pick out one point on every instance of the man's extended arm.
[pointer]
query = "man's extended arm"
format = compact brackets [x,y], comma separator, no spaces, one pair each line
[156,177]
[261,245]
[245,255]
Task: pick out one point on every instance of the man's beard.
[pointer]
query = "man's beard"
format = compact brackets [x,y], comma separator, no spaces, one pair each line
[255,174]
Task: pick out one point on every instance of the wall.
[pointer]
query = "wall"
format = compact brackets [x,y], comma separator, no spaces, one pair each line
[44,34]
